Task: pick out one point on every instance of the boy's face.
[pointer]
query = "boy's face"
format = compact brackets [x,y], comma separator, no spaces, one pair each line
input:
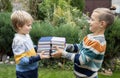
[95,24]
[25,29]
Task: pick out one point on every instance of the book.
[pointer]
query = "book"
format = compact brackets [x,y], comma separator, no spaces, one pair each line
[58,39]
[47,44]
[44,46]
[45,40]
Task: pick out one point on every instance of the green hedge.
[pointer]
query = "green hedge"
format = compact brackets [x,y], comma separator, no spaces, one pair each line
[5,6]
[113,44]
[40,29]
[6,33]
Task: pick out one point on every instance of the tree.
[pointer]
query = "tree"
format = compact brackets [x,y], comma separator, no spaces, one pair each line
[78,3]
[5,5]
[113,44]
[6,34]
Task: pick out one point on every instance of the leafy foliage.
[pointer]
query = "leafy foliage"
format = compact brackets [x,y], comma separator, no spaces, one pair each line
[40,29]
[5,5]
[78,3]
[34,7]
[69,32]
[58,12]
[113,41]
[73,34]
[6,33]
[46,29]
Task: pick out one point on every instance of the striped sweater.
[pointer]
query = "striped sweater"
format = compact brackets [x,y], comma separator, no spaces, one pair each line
[90,56]
[24,53]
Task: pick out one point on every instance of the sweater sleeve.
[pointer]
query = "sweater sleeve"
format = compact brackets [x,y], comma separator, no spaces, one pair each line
[90,51]
[86,53]
[29,60]
[23,56]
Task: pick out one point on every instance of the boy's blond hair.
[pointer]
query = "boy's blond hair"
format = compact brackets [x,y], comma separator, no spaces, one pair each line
[105,15]
[20,18]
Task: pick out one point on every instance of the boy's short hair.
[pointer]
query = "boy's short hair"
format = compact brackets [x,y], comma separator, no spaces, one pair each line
[105,15]
[20,18]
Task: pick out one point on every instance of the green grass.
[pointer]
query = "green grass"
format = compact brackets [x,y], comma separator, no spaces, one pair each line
[55,73]
[8,71]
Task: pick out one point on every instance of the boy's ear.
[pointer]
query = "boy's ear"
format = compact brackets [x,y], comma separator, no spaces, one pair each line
[103,23]
[18,26]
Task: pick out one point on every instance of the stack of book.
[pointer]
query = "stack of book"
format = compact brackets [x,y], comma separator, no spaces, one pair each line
[48,44]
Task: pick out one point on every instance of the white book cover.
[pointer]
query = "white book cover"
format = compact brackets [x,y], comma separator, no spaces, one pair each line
[44,46]
[47,43]
[59,39]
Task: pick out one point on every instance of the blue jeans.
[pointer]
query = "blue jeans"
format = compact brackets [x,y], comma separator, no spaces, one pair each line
[27,74]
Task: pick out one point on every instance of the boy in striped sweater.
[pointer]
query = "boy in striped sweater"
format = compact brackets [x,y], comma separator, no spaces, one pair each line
[25,56]
[90,52]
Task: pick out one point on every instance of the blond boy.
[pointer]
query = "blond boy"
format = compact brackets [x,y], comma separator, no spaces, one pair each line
[25,56]
[90,52]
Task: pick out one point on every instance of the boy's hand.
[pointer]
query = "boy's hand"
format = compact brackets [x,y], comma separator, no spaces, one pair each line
[43,56]
[58,52]
[70,48]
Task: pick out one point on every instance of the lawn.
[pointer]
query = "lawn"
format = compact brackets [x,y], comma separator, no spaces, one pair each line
[8,71]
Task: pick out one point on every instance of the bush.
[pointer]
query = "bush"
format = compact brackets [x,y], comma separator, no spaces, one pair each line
[40,29]
[5,6]
[80,4]
[60,11]
[69,32]
[45,29]
[113,43]
[6,33]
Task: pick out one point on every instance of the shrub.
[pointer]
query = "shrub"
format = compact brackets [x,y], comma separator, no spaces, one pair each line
[113,41]
[5,5]
[40,29]
[69,32]
[46,29]
[79,4]
[59,12]
[6,33]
